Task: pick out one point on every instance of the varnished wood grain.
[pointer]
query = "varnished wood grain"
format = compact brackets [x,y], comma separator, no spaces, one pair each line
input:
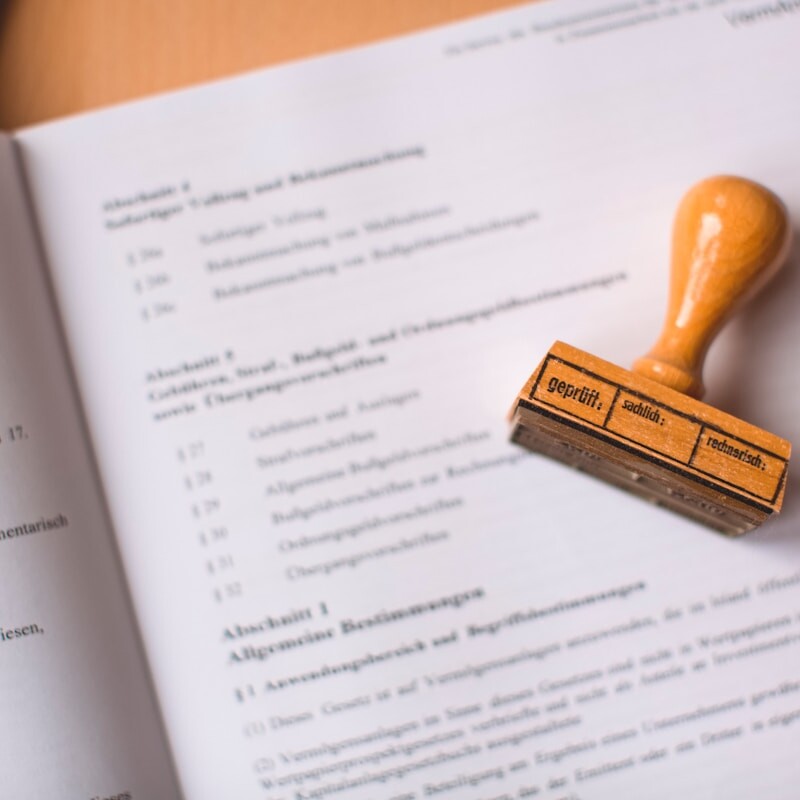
[730,237]
[58,57]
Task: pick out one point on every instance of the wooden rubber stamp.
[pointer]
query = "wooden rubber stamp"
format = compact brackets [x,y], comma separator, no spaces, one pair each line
[646,430]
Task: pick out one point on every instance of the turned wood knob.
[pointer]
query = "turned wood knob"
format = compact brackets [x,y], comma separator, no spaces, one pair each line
[729,238]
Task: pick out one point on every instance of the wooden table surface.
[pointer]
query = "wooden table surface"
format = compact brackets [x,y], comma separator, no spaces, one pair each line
[59,57]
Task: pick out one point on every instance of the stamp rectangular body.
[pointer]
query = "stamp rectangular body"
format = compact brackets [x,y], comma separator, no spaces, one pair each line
[651,440]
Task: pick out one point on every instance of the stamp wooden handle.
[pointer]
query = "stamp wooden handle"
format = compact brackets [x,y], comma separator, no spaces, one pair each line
[730,236]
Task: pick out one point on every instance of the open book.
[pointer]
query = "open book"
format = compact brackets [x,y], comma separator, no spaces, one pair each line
[261,531]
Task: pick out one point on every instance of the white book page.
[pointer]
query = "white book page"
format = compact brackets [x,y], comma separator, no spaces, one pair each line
[300,304]
[78,715]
